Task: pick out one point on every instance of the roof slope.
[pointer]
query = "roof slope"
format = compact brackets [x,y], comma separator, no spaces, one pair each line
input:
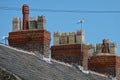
[28,67]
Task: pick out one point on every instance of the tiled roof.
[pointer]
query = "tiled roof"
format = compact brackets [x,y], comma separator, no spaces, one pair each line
[29,67]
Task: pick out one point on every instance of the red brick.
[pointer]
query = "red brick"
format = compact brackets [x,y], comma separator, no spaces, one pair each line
[71,53]
[31,40]
[109,65]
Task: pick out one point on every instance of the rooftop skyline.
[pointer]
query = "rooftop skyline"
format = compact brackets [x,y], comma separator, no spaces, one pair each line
[97,26]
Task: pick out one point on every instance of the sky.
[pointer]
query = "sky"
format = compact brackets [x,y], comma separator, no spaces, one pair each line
[97,26]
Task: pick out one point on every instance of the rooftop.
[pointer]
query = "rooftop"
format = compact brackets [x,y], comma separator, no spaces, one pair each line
[29,67]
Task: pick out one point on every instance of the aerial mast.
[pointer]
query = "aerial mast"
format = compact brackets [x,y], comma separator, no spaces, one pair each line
[81,23]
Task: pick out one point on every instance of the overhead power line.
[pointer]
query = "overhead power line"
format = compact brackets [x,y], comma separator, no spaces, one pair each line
[61,11]
[10,8]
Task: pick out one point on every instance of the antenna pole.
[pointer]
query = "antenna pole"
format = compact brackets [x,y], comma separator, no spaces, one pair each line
[81,22]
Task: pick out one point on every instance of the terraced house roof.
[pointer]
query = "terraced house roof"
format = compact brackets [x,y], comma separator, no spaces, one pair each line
[29,67]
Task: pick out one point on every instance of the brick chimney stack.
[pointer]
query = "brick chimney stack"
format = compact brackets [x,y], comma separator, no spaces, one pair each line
[25,11]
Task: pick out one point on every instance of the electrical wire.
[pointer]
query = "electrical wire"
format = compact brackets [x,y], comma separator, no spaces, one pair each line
[60,11]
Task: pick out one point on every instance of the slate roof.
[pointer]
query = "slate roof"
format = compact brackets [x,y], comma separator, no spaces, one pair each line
[29,67]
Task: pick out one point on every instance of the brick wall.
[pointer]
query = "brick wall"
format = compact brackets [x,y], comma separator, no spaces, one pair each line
[118,67]
[108,65]
[71,53]
[31,40]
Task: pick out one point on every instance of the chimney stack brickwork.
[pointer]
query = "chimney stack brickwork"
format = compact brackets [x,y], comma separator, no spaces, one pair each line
[71,53]
[108,65]
[31,40]
[68,47]
[33,37]
[105,59]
